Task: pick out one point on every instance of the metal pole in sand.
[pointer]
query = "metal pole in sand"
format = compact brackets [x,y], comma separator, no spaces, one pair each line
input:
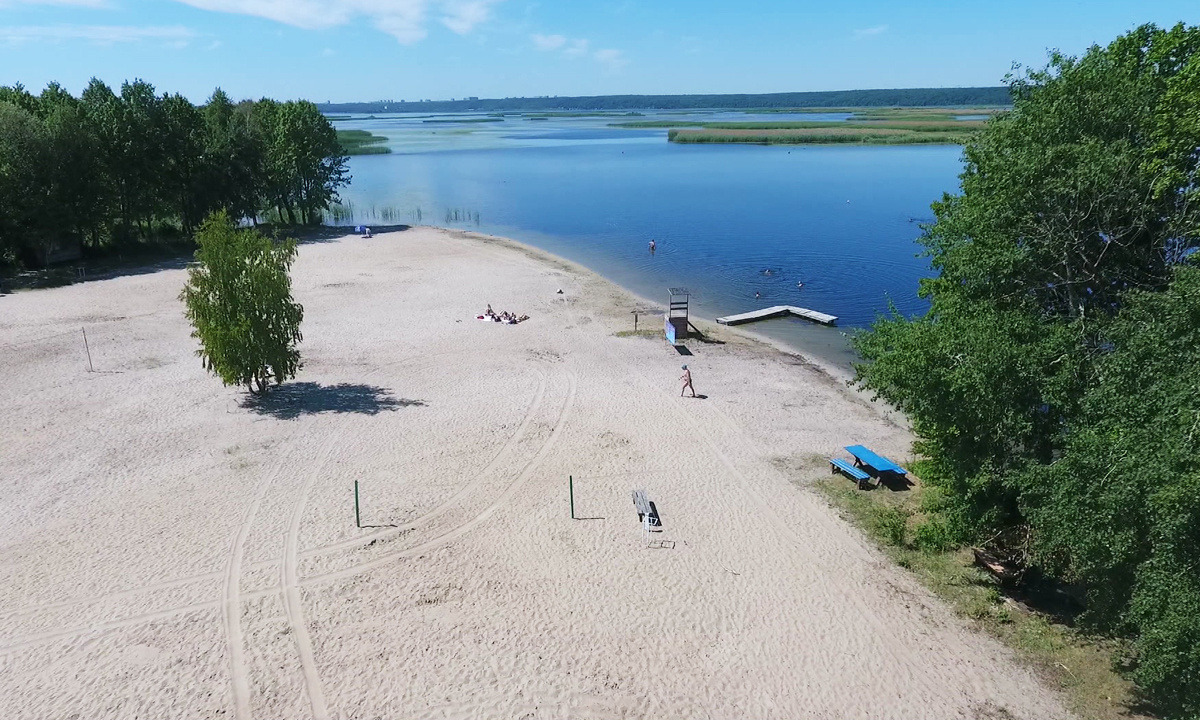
[89,350]
[357,515]
[571,487]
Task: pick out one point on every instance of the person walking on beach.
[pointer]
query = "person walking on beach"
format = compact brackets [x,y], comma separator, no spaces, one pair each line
[686,379]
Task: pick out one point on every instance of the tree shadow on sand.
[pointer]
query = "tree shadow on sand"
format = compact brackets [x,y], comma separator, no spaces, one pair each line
[290,401]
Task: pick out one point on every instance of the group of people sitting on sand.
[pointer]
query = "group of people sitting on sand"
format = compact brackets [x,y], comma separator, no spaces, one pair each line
[503,316]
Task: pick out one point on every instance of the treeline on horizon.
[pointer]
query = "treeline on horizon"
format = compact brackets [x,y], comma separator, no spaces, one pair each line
[910,97]
[1052,385]
[108,171]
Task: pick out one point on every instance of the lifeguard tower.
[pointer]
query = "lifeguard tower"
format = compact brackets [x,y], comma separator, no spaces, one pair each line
[676,322]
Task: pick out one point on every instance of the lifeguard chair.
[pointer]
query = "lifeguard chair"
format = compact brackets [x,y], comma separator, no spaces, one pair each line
[676,322]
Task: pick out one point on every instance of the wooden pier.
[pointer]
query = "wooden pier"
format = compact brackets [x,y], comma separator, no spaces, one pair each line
[778,311]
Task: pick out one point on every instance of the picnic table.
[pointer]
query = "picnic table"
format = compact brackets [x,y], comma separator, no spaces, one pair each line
[877,464]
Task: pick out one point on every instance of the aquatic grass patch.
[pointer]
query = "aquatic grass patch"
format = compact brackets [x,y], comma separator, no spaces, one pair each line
[581,114]
[922,113]
[464,120]
[460,216]
[931,131]
[817,136]
[362,142]
[954,125]
[658,124]
[351,214]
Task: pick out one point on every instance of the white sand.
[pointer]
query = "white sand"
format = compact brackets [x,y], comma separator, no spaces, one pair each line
[167,553]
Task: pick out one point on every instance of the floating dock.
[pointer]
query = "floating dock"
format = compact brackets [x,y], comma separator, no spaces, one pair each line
[778,311]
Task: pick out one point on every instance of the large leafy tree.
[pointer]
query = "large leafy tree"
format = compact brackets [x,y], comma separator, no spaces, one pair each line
[110,169]
[304,162]
[24,197]
[1077,215]
[238,297]
[1120,510]
[73,171]
[233,158]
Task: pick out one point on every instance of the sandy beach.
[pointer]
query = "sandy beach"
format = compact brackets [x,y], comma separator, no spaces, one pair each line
[171,549]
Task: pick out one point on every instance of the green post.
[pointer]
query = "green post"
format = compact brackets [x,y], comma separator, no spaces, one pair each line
[357,515]
[571,486]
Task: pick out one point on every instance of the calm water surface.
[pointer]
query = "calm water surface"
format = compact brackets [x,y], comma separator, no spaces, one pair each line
[729,220]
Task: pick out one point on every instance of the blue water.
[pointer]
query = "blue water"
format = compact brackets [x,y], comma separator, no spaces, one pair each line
[728,220]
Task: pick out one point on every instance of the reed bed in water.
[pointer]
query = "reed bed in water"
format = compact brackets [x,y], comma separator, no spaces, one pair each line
[818,136]
[465,120]
[903,125]
[362,142]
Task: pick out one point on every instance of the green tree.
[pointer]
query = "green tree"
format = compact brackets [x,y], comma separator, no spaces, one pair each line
[1120,511]
[238,298]
[77,194]
[24,188]
[1078,209]
[304,164]
[316,159]
[233,158]
[184,192]
[140,166]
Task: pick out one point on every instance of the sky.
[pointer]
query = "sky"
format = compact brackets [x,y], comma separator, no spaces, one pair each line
[360,50]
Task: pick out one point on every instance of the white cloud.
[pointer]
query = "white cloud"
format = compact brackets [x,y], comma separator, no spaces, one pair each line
[612,60]
[548,42]
[69,3]
[577,48]
[102,34]
[404,20]
[461,16]
[868,32]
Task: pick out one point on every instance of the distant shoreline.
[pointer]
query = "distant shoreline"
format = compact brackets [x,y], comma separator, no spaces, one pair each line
[901,97]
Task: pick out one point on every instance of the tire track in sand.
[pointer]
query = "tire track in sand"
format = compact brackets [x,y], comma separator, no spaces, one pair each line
[21,643]
[291,591]
[231,610]
[289,566]
[463,492]
[454,534]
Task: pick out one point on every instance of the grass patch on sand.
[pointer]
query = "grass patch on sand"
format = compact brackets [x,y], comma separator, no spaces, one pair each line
[640,332]
[362,142]
[1081,666]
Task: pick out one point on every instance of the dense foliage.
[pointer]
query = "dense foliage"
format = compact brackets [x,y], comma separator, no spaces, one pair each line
[239,299]
[1052,384]
[910,97]
[109,170]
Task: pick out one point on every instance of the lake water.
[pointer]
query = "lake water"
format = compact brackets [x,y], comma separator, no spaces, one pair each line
[729,221]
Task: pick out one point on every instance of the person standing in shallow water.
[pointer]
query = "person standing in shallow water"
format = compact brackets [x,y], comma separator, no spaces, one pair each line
[686,379]
[652,246]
